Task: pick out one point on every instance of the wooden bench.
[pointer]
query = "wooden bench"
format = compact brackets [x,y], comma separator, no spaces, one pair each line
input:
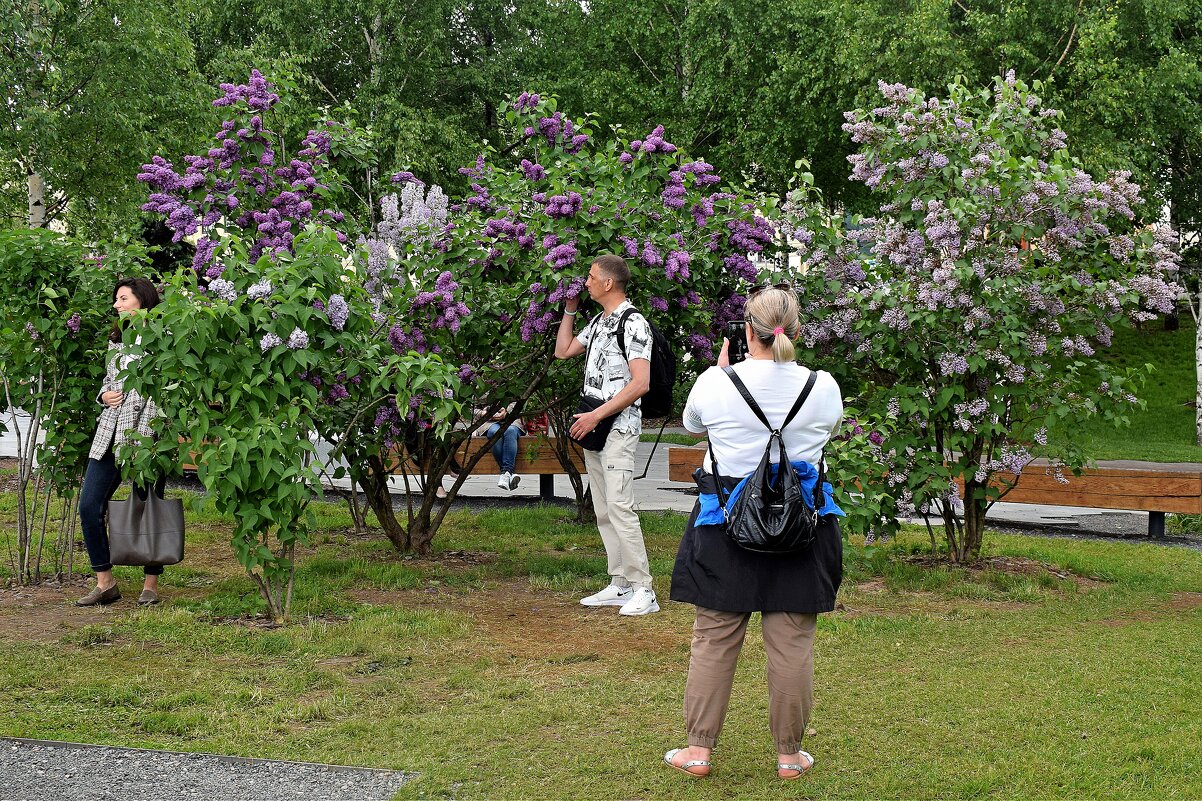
[536,456]
[1140,486]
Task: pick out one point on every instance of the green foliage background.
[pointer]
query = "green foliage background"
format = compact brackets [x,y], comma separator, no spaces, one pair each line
[95,85]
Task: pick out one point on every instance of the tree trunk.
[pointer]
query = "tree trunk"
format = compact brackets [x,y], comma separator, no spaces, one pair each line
[375,486]
[1198,375]
[37,199]
[973,533]
[561,421]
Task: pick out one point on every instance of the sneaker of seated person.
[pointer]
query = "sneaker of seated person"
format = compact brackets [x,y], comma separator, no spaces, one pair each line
[508,481]
[613,595]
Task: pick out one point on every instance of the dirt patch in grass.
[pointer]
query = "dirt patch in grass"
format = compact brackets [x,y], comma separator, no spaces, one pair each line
[1180,602]
[921,602]
[45,613]
[1186,601]
[8,474]
[509,617]
[452,559]
[1012,565]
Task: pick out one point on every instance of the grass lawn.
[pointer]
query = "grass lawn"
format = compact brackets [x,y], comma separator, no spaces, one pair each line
[1063,669]
[1164,430]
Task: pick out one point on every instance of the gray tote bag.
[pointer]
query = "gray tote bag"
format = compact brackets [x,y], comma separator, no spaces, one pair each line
[146,532]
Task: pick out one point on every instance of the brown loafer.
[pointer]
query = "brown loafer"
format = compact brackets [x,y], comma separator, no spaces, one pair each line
[148,598]
[99,597]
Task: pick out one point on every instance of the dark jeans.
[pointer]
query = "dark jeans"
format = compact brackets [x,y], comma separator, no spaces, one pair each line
[100,482]
[505,449]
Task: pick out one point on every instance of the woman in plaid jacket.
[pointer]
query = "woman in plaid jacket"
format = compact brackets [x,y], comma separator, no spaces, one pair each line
[122,412]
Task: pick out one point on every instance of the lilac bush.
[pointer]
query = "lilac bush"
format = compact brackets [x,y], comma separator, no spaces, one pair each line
[253,349]
[481,280]
[975,301]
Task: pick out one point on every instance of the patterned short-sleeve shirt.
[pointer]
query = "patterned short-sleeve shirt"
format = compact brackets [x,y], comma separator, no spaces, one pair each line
[606,370]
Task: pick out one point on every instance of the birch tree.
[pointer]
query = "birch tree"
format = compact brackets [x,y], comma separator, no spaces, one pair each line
[89,85]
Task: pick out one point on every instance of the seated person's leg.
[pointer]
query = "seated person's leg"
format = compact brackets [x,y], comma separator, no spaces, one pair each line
[509,453]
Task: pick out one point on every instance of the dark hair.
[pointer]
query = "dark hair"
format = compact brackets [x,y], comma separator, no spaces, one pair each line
[146,293]
[614,267]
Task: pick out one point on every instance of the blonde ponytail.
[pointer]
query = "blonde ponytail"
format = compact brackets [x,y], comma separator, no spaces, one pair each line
[773,316]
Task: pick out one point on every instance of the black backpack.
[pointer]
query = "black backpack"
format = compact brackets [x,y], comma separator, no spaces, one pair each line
[772,517]
[658,400]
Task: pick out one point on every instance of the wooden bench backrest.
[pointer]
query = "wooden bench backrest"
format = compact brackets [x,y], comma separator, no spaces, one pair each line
[1146,490]
[1109,488]
[536,455]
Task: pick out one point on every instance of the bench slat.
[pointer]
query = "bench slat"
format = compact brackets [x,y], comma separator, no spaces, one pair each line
[1169,485]
[1139,489]
[683,461]
[536,455]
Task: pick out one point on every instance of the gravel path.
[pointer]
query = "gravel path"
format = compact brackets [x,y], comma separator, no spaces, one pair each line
[33,770]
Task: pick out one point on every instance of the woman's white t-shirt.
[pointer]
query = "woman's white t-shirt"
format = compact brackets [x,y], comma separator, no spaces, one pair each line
[737,437]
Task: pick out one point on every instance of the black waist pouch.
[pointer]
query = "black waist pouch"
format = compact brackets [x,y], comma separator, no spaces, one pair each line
[595,439]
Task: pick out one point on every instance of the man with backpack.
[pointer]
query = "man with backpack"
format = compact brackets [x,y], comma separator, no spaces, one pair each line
[616,375]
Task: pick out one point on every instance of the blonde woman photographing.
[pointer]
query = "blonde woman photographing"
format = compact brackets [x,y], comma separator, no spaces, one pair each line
[726,582]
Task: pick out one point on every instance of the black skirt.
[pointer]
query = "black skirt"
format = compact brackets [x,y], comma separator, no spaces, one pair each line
[713,572]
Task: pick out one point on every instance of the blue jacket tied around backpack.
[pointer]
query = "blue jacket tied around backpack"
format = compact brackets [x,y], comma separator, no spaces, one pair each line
[711,512]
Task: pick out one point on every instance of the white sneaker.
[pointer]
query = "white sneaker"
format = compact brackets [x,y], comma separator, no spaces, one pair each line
[508,481]
[514,481]
[613,595]
[643,603]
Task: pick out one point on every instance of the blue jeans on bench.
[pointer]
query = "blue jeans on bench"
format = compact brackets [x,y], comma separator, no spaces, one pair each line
[505,449]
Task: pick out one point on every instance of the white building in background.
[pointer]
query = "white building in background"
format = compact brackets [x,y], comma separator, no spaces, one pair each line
[13,421]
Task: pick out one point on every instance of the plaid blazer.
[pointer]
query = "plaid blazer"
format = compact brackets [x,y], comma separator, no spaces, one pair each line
[115,422]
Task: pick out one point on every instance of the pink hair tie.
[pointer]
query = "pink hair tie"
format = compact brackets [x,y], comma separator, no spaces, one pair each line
[778,330]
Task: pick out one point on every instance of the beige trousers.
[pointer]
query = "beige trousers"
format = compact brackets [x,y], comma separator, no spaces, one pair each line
[717,640]
[611,479]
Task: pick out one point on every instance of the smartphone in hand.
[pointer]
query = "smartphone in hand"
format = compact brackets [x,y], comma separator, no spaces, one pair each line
[737,335]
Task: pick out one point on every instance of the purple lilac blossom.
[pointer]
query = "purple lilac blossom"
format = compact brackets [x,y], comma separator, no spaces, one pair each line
[561,257]
[337,311]
[677,266]
[74,322]
[564,205]
[532,171]
[651,256]
[654,143]
[527,101]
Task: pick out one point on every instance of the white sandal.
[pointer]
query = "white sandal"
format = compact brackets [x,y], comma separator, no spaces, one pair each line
[685,768]
[801,769]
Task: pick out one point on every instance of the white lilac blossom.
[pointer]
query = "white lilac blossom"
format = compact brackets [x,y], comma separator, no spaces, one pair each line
[416,215]
[972,260]
[298,339]
[260,289]
[224,289]
[269,341]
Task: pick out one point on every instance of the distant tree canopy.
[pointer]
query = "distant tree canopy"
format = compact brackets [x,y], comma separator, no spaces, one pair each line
[93,85]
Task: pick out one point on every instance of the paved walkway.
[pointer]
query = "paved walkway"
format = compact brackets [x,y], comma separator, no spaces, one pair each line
[655,492]
[46,770]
